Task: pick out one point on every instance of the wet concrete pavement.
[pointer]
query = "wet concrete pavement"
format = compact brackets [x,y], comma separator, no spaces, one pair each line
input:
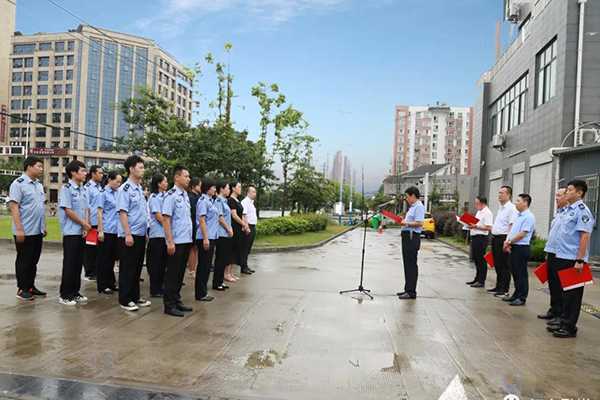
[286,333]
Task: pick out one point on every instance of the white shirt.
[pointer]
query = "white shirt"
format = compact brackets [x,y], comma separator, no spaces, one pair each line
[504,218]
[485,218]
[249,211]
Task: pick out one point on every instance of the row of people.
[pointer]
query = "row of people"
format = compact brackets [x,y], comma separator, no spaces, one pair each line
[124,220]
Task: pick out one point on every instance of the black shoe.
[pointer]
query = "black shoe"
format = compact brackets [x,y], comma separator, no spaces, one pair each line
[106,291]
[500,294]
[565,333]
[517,302]
[247,271]
[400,293]
[494,290]
[251,270]
[509,299]
[471,282]
[212,269]
[174,312]
[25,295]
[553,328]
[225,286]
[548,315]
[406,296]
[184,308]
[219,288]
[206,298]
[114,288]
[477,285]
[37,292]
[554,321]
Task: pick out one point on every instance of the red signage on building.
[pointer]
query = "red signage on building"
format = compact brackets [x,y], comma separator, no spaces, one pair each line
[45,151]
[3,124]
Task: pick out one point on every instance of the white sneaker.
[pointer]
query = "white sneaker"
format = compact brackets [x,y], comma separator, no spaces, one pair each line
[67,302]
[143,303]
[80,299]
[130,306]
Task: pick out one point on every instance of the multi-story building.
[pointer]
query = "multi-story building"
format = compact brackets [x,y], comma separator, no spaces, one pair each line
[70,85]
[438,134]
[538,111]
[347,171]
[7,27]
[337,167]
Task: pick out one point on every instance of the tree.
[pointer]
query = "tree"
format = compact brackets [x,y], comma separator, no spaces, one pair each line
[11,164]
[309,190]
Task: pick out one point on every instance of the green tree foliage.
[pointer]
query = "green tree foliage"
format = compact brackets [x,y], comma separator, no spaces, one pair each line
[12,164]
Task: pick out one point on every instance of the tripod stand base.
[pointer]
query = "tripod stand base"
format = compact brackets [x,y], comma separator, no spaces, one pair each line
[360,289]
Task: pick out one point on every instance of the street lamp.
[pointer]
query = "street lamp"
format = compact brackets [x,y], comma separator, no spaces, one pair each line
[28,131]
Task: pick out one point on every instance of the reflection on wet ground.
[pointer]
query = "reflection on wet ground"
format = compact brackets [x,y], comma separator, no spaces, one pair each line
[286,333]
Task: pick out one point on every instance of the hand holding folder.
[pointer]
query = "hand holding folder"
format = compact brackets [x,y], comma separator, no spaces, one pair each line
[92,237]
[571,278]
[468,219]
[396,218]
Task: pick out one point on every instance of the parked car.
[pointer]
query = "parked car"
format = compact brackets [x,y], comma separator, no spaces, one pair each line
[429,226]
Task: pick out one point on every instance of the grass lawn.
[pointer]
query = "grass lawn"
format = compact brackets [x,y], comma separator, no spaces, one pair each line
[302,239]
[51,226]
[458,242]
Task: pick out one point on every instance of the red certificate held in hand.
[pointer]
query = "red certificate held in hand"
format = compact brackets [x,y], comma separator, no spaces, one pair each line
[541,271]
[92,237]
[468,219]
[396,218]
[570,278]
[489,258]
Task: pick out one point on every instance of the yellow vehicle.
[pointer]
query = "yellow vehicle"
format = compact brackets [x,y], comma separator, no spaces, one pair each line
[429,226]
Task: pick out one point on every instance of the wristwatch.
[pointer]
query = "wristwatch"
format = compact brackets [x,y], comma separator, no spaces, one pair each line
[579,261]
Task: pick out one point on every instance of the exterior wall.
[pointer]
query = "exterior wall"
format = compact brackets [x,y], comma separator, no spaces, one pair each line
[7,28]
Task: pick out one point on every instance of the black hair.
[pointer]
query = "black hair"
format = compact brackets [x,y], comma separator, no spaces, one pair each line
[482,199]
[413,191]
[221,185]
[578,184]
[508,189]
[30,161]
[526,197]
[73,166]
[194,182]
[93,169]
[156,180]
[179,169]
[233,184]
[131,162]
[110,176]
[206,184]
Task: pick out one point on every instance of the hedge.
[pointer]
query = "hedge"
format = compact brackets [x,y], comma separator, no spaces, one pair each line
[291,225]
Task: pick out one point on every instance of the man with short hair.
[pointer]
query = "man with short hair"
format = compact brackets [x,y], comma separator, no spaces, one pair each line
[518,244]
[26,201]
[502,224]
[480,239]
[412,226]
[251,219]
[73,217]
[92,187]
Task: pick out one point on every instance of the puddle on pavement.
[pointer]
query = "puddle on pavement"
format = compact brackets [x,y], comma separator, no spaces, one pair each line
[308,268]
[264,359]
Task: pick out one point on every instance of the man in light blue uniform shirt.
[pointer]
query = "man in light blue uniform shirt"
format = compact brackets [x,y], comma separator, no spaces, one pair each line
[573,228]
[26,201]
[412,226]
[73,214]
[178,235]
[92,188]
[133,223]
[518,244]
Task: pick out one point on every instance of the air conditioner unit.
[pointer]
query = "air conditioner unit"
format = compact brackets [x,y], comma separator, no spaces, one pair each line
[587,136]
[498,142]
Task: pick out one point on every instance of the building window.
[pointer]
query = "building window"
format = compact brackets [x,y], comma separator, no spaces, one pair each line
[45,46]
[58,75]
[28,77]
[509,110]
[26,105]
[59,61]
[42,90]
[24,48]
[59,47]
[55,145]
[54,177]
[546,74]
[56,104]
[68,88]
[43,61]
[71,45]
[43,76]
[15,132]
[69,74]
[55,132]
[54,160]
[17,63]
[40,145]
[56,117]
[41,118]
[15,104]
[70,60]
[68,103]
[40,132]
[17,76]
[28,62]
[57,89]
[16,91]
[42,104]
[67,118]
[66,145]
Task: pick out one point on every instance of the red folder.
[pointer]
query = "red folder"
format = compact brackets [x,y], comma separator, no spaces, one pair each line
[396,218]
[468,219]
[489,258]
[541,271]
[92,237]
[570,278]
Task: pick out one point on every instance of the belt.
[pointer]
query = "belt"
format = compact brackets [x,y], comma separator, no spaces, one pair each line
[499,234]
[519,245]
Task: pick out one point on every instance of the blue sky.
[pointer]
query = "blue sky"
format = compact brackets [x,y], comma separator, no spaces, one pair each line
[344,63]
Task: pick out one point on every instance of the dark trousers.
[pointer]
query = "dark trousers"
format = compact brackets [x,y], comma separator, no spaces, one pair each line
[70,282]
[157,264]
[130,269]
[248,242]
[478,246]
[411,243]
[519,256]
[176,265]
[89,258]
[108,253]
[571,299]
[222,257]
[556,292]
[203,269]
[28,255]
[501,264]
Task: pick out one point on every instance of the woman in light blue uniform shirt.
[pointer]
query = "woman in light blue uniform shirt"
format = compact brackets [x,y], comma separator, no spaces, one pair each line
[157,247]
[225,233]
[207,221]
[108,244]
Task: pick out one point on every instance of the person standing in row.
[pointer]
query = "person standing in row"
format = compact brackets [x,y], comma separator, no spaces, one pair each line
[194,195]
[518,244]
[412,226]
[73,215]
[251,219]
[551,247]
[92,188]
[178,235]
[207,216]
[157,247]
[240,230]
[480,239]
[108,243]
[225,233]
[504,219]
[133,218]
[26,201]
[575,225]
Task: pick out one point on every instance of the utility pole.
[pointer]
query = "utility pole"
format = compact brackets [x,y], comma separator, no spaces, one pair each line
[28,131]
[341,203]
[426,189]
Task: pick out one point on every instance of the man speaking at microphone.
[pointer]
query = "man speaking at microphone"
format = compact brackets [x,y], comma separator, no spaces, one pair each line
[412,225]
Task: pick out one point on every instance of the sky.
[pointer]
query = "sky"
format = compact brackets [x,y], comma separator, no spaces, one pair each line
[344,63]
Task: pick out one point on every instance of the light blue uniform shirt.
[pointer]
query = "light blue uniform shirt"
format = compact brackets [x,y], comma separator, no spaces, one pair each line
[73,197]
[29,196]
[130,198]
[93,191]
[155,203]
[225,211]
[207,208]
[524,222]
[553,238]
[176,204]
[107,201]
[576,218]
[416,213]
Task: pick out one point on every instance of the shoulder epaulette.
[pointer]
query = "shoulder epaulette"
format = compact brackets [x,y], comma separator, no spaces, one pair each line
[582,206]
[172,191]
[88,184]
[68,185]
[20,180]
[126,187]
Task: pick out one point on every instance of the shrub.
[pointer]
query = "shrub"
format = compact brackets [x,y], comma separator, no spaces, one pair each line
[291,225]
[537,250]
[440,218]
